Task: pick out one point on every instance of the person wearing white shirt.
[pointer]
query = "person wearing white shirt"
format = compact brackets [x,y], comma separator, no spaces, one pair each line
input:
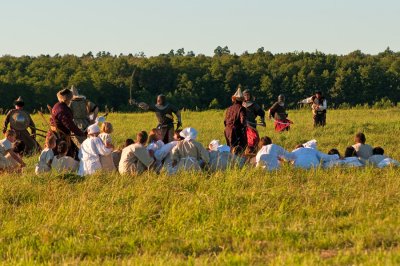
[91,150]
[380,160]
[319,107]
[350,158]
[308,158]
[269,156]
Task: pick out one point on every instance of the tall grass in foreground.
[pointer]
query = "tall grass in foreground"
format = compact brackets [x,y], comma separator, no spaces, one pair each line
[242,216]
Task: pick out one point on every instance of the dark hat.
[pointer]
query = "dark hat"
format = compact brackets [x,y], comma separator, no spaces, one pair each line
[65,92]
[19,101]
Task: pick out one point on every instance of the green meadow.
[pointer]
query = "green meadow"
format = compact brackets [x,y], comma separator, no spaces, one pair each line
[238,217]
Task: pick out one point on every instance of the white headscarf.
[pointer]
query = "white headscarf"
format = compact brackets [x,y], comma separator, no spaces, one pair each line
[189,133]
[93,129]
[215,146]
[312,144]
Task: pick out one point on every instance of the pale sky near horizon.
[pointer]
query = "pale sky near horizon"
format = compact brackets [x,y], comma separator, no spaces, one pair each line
[155,27]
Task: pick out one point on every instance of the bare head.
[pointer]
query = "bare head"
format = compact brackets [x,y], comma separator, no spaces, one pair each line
[360,138]
[161,99]
[247,95]
[141,137]
[318,94]
[11,135]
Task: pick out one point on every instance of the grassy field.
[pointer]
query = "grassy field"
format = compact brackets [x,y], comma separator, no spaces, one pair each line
[239,217]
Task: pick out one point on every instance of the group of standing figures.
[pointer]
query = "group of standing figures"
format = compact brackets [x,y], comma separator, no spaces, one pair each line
[240,118]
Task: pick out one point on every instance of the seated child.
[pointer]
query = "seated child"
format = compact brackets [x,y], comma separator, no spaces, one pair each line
[62,162]
[47,155]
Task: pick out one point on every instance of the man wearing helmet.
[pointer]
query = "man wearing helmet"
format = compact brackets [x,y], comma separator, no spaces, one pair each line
[278,113]
[20,121]
[252,111]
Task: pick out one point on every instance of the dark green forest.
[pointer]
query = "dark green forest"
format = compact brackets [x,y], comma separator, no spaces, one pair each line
[200,82]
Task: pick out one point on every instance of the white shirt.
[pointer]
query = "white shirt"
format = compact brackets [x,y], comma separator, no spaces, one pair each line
[45,160]
[310,158]
[352,162]
[89,154]
[268,156]
[165,150]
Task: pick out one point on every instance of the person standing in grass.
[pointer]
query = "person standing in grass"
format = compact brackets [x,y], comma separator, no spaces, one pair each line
[135,159]
[235,122]
[91,150]
[319,107]
[278,113]
[20,120]
[252,111]
[164,113]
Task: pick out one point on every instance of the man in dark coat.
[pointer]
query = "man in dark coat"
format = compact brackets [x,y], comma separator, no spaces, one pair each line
[278,113]
[62,122]
[164,113]
[235,122]
[252,111]
[20,121]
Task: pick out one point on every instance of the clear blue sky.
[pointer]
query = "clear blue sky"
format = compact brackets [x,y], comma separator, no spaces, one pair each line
[34,27]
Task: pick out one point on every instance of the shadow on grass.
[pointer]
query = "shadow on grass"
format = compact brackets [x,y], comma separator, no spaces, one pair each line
[71,178]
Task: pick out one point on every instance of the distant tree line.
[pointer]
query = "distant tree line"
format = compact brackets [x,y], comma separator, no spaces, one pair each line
[201,82]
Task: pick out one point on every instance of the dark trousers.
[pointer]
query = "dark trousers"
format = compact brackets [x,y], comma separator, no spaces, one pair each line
[167,134]
[319,119]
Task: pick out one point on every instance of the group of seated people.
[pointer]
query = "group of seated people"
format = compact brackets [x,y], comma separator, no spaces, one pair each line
[149,153]
[307,156]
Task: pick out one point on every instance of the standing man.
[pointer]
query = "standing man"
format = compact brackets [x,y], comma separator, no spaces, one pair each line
[252,111]
[84,112]
[20,121]
[164,116]
[235,122]
[278,113]
[318,106]
[62,122]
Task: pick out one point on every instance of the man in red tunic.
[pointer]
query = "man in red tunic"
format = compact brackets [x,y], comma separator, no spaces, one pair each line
[62,122]
[235,122]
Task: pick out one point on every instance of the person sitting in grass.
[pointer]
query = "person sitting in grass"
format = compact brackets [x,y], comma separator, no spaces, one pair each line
[308,158]
[189,154]
[62,162]
[116,155]
[154,144]
[107,162]
[334,163]
[351,158]
[220,156]
[364,151]
[135,159]
[380,160]
[18,149]
[7,148]
[47,155]
[270,156]
[91,150]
